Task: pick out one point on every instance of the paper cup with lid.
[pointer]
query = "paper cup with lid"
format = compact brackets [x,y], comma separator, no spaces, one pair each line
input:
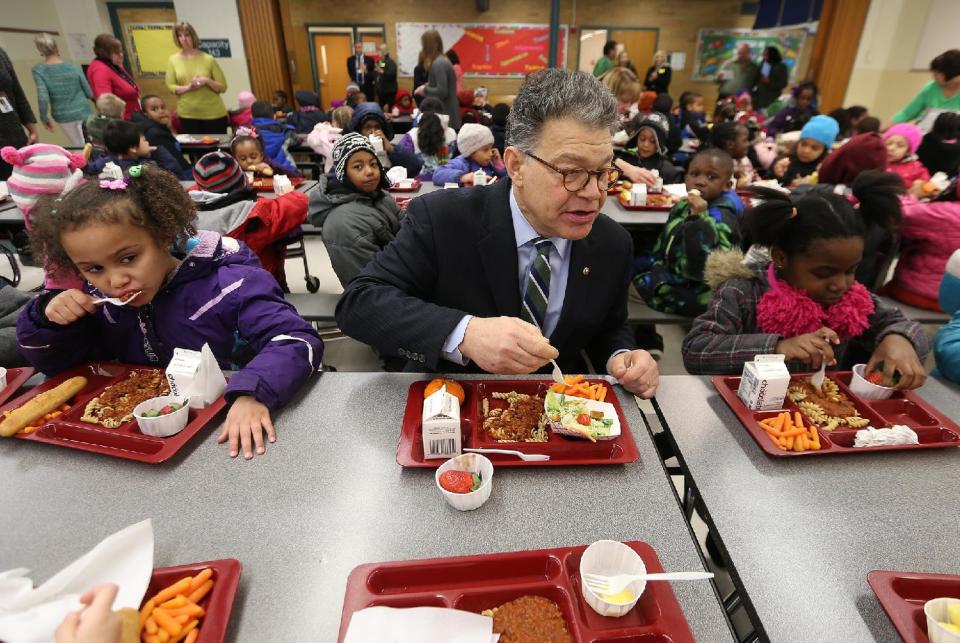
[474,463]
[162,426]
[868,390]
[609,558]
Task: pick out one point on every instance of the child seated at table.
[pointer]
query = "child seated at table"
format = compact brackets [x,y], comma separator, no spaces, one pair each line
[404,105]
[154,122]
[475,144]
[803,302]
[708,219]
[816,141]
[646,150]
[733,138]
[940,149]
[409,141]
[243,115]
[800,108]
[946,343]
[355,213]
[432,147]
[309,114]
[110,107]
[691,120]
[280,104]
[369,120]
[274,139]
[138,235]
[902,141]
[227,205]
[127,146]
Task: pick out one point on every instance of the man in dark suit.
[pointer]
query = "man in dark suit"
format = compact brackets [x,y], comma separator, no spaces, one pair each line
[360,67]
[505,278]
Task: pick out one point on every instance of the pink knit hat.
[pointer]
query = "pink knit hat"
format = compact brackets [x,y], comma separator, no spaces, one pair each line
[910,132]
[245,99]
[41,169]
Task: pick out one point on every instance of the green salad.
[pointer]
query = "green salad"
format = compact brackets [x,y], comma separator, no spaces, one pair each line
[572,414]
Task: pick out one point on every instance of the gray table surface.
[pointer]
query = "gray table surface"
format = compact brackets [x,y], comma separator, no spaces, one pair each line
[327,497]
[803,533]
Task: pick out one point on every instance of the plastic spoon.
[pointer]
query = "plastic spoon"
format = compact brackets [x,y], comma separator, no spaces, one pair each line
[116,301]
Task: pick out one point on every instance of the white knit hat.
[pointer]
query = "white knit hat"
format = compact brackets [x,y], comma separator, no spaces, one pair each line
[472,137]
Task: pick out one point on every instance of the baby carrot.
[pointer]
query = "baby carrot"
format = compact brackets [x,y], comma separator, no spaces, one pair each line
[167,593]
[166,621]
[151,638]
[797,420]
[769,431]
[177,601]
[145,612]
[192,636]
[181,618]
[188,629]
[197,595]
[190,609]
[163,636]
[150,625]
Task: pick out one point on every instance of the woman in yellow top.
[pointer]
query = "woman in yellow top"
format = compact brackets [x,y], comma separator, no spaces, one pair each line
[196,78]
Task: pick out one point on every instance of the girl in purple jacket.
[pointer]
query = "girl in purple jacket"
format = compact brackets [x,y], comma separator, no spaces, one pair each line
[135,236]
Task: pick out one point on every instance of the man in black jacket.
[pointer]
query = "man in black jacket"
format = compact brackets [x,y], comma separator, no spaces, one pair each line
[360,68]
[505,278]
[386,79]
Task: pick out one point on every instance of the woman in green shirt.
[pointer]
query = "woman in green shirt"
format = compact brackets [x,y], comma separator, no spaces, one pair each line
[605,63]
[197,80]
[62,89]
[942,94]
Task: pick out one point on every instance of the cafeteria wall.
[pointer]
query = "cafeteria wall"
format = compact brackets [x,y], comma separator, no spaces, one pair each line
[678,21]
[882,78]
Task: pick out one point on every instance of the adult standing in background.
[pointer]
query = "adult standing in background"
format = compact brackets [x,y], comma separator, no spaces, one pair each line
[197,80]
[942,94]
[441,79]
[623,60]
[386,78]
[771,79]
[658,74]
[606,63]
[15,113]
[106,74]
[62,89]
[739,73]
[361,70]
[419,78]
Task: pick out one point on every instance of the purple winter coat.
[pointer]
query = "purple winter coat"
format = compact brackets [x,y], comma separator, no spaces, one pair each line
[218,295]
[452,171]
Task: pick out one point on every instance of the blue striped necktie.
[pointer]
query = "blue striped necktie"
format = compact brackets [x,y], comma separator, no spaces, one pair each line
[537,293]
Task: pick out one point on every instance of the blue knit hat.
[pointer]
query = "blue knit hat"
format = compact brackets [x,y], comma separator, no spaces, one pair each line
[821,128]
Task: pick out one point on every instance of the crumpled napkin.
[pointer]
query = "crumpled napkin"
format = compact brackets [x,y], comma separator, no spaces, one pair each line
[419,625]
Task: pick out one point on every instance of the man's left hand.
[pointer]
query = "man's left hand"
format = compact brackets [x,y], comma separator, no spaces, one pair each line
[636,371]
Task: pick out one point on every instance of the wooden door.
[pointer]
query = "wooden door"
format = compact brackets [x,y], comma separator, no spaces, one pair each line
[264,44]
[147,37]
[640,44]
[835,49]
[331,51]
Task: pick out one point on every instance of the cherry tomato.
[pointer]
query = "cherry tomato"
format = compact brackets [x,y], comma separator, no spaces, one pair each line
[583,419]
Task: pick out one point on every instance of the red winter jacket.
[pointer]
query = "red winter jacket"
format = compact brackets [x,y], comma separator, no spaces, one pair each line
[909,171]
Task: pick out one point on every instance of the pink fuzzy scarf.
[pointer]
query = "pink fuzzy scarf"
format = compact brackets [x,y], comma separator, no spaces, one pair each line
[789,311]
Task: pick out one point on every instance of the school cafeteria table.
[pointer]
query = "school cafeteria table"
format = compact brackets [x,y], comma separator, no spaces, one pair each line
[329,496]
[802,533]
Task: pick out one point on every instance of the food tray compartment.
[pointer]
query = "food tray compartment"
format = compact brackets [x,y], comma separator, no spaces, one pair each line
[903,411]
[413,188]
[563,451]
[843,384]
[944,433]
[487,581]
[217,603]
[903,594]
[15,379]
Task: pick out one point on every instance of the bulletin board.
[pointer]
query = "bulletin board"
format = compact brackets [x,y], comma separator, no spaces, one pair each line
[151,45]
[717,46]
[485,49]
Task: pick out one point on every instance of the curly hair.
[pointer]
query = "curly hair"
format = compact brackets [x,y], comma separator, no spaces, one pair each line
[154,201]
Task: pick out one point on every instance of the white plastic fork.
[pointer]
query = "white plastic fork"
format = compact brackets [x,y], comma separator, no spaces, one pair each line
[529,457]
[817,378]
[557,373]
[116,301]
[616,584]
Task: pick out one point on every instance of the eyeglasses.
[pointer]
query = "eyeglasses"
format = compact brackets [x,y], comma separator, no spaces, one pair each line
[577,179]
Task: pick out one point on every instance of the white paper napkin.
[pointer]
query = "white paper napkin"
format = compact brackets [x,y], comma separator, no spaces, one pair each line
[419,625]
[29,615]
[396,174]
[111,171]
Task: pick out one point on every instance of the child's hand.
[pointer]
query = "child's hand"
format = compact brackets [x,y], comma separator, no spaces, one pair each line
[69,306]
[246,422]
[780,167]
[638,174]
[697,203]
[898,355]
[98,624]
[812,348]
[466,179]
[387,145]
[264,169]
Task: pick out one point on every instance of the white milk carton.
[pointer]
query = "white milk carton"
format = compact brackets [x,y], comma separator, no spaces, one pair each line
[441,425]
[763,385]
[638,194]
[479,178]
[196,375]
[377,144]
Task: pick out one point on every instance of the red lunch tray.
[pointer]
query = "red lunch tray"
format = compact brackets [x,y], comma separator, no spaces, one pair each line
[266,184]
[413,188]
[123,442]
[934,430]
[15,379]
[625,204]
[477,583]
[563,451]
[903,594]
[217,603]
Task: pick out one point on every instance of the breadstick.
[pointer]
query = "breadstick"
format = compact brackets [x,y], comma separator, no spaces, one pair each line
[36,407]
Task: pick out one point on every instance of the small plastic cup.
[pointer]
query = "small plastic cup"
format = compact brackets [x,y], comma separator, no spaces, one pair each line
[936,612]
[609,558]
[3,378]
[474,463]
[162,426]
[868,390]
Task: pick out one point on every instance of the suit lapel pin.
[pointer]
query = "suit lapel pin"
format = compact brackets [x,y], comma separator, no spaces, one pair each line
[586,271]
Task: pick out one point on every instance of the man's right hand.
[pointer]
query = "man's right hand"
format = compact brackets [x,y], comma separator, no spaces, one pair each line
[69,306]
[506,345]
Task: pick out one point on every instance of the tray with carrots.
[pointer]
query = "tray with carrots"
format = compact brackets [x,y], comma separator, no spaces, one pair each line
[578,386]
[190,603]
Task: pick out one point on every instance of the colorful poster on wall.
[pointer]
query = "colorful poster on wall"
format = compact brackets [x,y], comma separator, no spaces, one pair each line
[151,46]
[717,46]
[485,49]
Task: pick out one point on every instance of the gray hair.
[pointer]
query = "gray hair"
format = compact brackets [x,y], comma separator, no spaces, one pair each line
[558,93]
[46,45]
